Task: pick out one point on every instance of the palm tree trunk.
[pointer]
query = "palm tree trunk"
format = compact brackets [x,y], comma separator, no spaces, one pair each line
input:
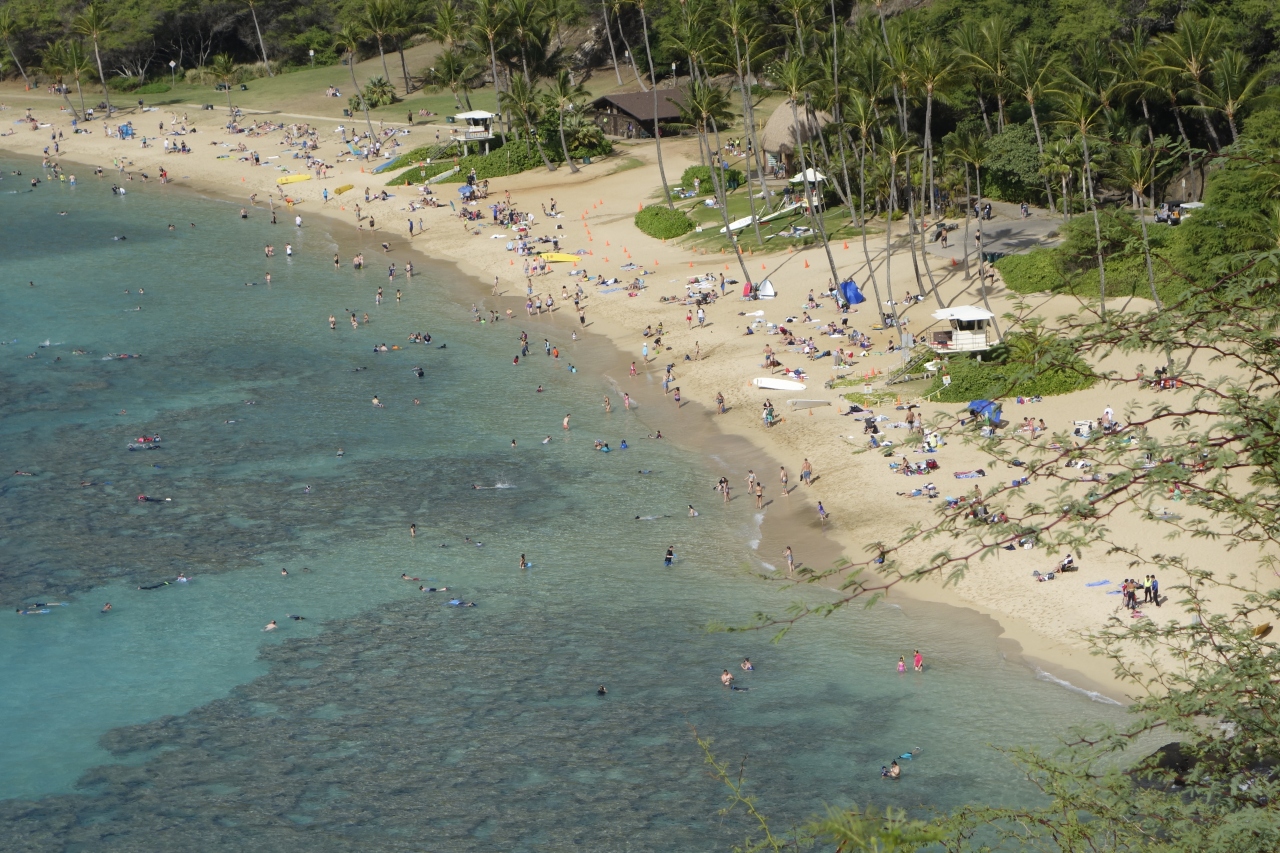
[497,90]
[967,208]
[657,131]
[888,244]
[80,92]
[862,216]
[933,284]
[351,65]
[724,204]
[404,67]
[986,120]
[1097,227]
[1146,251]
[926,165]
[911,227]
[631,53]
[1035,122]
[528,126]
[25,79]
[1182,131]
[385,72]
[746,120]
[982,280]
[814,215]
[564,146]
[752,136]
[613,53]
[67,98]
[261,44]
[105,94]
[1208,124]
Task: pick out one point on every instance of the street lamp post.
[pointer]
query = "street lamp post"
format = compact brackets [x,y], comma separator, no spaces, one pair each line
[673,75]
[172,72]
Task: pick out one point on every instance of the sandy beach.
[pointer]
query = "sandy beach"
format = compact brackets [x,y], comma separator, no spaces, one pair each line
[1045,622]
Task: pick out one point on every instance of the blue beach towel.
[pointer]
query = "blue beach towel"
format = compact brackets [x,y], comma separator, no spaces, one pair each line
[1098,583]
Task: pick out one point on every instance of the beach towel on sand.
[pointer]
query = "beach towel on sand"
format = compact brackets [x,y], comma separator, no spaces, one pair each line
[970,475]
[1098,583]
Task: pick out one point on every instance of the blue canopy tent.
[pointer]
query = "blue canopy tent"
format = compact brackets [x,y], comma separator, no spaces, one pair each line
[852,295]
[466,190]
[986,410]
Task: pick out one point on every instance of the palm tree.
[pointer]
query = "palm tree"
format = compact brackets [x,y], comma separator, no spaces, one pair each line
[348,39]
[379,21]
[972,151]
[861,115]
[91,24]
[253,10]
[563,95]
[1059,162]
[453,71]
[894,144]
[1232,87]
[933,65]
[448,26]
[1078,112]
[225,72]
[521,98]
[617,16]
[488,22]
[608,31]
[10,27]
[793,76]
[969,45]
[1030,67]
[657,130]
[56,62]
[404,24]
[527,20]
[1136,166]
[1189,52]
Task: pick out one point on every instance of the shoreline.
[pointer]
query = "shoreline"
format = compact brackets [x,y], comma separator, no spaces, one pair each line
[610,321]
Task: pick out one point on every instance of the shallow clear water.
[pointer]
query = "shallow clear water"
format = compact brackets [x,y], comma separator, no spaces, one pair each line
[387,719]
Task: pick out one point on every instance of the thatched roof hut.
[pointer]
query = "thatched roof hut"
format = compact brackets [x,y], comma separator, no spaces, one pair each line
[782,132]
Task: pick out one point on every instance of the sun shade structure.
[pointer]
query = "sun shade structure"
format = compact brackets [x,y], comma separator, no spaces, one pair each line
[782,132]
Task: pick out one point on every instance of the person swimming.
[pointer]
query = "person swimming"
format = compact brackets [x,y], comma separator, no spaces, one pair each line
[458,602]
[693,513]
[524,564]
[270,626]
[405,577]
[600,691]
[746,665]
[297,618]
[433,589]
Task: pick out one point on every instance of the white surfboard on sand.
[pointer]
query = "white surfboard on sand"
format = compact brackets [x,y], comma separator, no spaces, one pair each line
[777,384]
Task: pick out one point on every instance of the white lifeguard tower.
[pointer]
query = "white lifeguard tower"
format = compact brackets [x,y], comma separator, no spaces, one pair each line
[967,332]
[473,126]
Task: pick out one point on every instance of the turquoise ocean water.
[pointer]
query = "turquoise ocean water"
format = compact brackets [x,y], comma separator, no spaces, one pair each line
[387,720]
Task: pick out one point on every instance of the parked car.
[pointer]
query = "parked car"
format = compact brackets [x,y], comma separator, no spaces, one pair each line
[1169,212]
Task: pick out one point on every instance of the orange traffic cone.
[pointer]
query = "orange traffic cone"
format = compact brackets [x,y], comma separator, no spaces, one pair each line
[806,264]
[762,266]
[846,245]
[690,264]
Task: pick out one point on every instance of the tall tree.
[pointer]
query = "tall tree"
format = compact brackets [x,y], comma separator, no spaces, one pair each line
[1030,69]
[253,11]
[10,28]
[657,129]
[64,59]
[404,23]
[378,20]
[92,23]
[564,95]
[488,23]
[934,65]
[347,39]
[521,98]
[1231,88]
[622,33]
[225,72]
[608,32]
[1136,165]
[1189,52]
[1080,113]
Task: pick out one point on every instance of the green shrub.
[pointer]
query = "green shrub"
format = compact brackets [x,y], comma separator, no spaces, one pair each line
[1024,365]
[511,159]
[156,88]
[1035,272]
[732,179]
[658,220]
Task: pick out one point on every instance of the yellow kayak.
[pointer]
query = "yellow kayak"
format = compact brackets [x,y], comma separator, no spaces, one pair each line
[340,190]
[292,179]
[560,256]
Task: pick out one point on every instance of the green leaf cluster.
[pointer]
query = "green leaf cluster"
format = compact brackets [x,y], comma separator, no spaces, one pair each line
[662,222]
[510,159]
[733,178]
[1026,364]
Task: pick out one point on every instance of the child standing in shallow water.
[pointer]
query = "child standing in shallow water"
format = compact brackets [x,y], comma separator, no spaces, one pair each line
[902,664]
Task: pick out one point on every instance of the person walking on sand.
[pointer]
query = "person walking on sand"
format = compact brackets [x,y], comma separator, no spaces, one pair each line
[626,401]
[822,515]
[759,496]
[783,476]
[806,473]
[633,370]
[918,660]
[791,561]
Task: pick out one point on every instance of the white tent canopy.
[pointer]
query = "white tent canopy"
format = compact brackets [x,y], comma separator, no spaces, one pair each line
[811,175]
[963,312]
[475,114]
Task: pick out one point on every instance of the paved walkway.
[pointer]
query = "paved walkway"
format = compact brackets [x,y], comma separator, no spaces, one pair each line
[1006,232]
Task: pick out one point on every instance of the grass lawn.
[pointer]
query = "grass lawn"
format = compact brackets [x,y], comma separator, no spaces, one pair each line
[835,221]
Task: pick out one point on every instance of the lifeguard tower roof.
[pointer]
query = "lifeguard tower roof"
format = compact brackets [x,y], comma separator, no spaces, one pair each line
[963,312]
